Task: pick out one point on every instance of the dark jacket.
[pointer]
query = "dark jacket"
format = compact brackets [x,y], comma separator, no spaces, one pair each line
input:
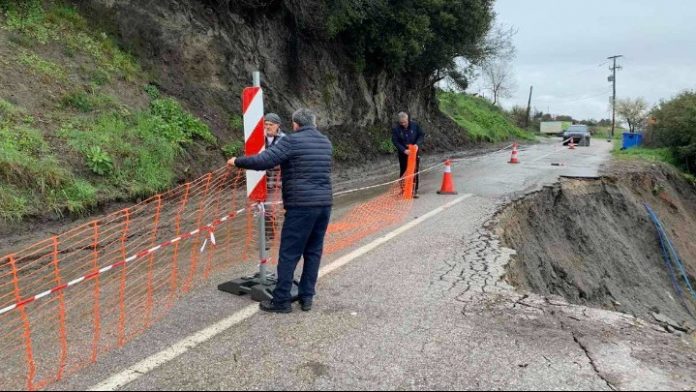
[305,159]
[403,137]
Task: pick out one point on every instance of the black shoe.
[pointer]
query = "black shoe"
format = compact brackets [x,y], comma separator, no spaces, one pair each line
[306,304]
[416,197]
[271,307]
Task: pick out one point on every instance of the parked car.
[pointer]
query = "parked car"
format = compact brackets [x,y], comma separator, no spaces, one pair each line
[579,133]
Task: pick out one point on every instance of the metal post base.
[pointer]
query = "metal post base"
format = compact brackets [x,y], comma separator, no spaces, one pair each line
[252,285]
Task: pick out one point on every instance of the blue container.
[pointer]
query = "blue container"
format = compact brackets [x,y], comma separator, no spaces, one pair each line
[631,140]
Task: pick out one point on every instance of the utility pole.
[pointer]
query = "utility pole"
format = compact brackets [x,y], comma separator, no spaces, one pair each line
[612,79]
[529,106]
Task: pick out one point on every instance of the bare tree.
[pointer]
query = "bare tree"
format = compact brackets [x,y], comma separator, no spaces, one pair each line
[497,77]
[634,111]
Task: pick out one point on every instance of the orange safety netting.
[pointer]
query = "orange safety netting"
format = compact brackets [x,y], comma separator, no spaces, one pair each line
[68,299]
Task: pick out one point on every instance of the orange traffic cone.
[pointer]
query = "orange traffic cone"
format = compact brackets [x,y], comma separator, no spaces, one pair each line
[447,183]
[514,158]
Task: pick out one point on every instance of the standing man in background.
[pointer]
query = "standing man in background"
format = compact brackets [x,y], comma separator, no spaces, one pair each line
[305,157]
[273,129]
[272,126]
[405,133]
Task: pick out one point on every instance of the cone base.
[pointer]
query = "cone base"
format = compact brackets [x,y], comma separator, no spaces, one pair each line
[514,162]
[447,193]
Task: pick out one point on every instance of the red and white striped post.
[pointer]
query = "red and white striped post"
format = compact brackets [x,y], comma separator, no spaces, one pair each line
[254,139]
[261,284]
[252,107]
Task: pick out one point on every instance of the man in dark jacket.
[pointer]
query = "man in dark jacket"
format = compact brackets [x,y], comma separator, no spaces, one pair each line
[406,133]
[305,157]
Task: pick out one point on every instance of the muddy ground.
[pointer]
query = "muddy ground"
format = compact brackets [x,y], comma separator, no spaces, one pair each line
[592,241]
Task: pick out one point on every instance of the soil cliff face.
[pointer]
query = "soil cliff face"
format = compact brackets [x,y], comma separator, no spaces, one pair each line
[593,242]
[204,54]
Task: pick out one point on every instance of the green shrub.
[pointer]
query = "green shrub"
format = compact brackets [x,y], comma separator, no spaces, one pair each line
[387,147]
[152,91]
[181,127]
[233,149]
[675,128]
[78,100]
[237,123]
[99,161]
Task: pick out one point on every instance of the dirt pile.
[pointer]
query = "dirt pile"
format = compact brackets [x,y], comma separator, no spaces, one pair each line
[592,241]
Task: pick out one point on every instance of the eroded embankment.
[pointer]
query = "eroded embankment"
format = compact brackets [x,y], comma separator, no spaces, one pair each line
[592,241]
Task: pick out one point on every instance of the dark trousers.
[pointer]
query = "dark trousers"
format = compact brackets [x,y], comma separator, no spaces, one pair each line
[302,236]
[403,163]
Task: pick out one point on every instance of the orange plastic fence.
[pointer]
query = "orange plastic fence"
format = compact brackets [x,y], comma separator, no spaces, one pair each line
[68,299]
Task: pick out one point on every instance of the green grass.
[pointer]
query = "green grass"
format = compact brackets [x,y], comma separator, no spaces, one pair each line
[136,154]
[13,206]
[234,148]
[87,101]
[128,155]
[483,121]
[603,132]
[659,155]
[51,21]
[91,147]
[41,66]
[34,180]
[647,154]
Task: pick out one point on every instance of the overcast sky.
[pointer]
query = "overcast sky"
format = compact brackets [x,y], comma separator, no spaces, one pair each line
[561,44]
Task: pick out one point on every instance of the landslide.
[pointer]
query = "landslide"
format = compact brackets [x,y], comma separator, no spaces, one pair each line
[592,242]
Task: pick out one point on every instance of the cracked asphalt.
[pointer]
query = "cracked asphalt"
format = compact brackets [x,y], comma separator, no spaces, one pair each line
[428,310]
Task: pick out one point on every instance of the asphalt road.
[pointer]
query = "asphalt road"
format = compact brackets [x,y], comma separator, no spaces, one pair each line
[424,310]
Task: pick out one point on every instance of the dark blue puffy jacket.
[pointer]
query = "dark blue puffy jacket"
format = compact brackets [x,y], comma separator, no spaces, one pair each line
[305,159]
[401,137]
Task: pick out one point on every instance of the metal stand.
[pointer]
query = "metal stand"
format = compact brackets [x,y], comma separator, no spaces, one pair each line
[260,286]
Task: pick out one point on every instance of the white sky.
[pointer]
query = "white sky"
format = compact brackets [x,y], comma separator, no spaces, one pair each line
[561,44]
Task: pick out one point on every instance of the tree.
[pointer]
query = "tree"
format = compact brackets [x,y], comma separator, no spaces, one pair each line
[634,111]
[518,114]
[458,80]
[565,117]
[497,78]
[421,37]
[675,127]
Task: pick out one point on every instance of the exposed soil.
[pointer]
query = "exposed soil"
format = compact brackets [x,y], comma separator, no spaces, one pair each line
[592,241]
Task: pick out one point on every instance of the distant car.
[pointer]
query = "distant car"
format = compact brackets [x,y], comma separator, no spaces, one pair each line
[579,133]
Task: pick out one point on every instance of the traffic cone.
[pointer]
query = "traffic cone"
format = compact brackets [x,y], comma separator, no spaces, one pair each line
[447,183]
[571,145]
[514,158]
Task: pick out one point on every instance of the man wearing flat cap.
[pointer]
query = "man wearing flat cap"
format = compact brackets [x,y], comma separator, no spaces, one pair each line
[272,125]
[273,128]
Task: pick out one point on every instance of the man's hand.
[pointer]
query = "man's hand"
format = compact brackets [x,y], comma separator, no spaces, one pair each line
[230,163]
[407,151]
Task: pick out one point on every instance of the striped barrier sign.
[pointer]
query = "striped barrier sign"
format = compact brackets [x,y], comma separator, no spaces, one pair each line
[252,107]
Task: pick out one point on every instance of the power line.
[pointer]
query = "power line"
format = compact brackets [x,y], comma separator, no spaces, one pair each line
[577,97]
[586,98]
[588,69]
